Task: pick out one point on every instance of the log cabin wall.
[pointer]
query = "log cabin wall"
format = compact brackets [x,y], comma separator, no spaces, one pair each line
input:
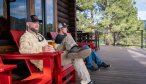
[67,13]
[64,11]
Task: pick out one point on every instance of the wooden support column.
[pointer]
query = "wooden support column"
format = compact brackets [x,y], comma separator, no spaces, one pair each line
[55,16]
[31,7]
[5,11]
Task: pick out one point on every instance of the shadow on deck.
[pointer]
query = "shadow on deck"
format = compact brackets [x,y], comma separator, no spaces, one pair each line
[128,66]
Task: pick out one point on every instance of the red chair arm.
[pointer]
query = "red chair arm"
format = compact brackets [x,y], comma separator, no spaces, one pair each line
[17,56]
[4,67]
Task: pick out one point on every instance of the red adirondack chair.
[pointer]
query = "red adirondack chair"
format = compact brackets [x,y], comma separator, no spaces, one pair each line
[5,73]
[53,35]
[44,77]
[59,72]
[86,39]
[36,77]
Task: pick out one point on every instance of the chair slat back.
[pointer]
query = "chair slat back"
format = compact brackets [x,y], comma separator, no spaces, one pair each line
[16,34]
[53,35]
[1,62]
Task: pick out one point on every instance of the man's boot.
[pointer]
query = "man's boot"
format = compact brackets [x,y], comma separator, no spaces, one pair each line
[76,52]
[104,65]
[91,82]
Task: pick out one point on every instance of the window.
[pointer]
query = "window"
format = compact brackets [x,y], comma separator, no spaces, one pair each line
[49,15]
[4,23]
[45,11]
[38,12]
[1,18]
[1,8]
[38,9]
[18,14]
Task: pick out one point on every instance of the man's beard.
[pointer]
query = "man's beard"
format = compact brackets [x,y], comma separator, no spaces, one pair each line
[34,30]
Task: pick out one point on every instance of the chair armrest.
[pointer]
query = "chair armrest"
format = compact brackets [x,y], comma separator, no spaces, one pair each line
[4,67]
[17,56]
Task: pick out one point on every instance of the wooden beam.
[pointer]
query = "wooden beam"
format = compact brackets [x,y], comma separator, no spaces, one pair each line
[72,1]
[60,3]
[61,14]
[60,19]
[65,1]
[61,9]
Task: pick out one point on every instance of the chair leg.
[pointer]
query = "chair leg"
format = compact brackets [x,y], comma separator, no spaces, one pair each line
[73,80]
[6,77]
[58,79]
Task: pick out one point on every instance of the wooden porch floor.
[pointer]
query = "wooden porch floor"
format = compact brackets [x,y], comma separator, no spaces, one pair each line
[128,66]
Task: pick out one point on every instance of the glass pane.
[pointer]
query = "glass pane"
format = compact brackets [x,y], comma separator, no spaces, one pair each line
[1,8]
[4,24]
[38,9]
[18,14]
[38,12]
[49,15]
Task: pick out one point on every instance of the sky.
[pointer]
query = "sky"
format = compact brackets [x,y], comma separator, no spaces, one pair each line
[141,5]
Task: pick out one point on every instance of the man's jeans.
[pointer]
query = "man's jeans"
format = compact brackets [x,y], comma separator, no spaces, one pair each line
[92,57]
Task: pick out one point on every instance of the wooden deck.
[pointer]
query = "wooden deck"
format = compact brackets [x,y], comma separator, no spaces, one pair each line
[128,66]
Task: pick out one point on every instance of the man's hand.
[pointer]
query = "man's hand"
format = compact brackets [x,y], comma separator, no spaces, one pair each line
[48,48]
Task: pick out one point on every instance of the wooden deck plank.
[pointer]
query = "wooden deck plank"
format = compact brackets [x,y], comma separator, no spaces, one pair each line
[128,66]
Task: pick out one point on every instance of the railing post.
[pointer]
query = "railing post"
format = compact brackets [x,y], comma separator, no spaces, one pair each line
[97,40]
[114,38]
[141,38]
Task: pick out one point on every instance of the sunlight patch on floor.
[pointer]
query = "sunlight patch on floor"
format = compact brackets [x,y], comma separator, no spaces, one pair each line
[138,56]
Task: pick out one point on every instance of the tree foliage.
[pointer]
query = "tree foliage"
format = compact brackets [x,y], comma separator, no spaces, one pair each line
[109,16]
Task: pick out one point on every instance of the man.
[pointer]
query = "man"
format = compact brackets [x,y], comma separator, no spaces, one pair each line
[93,56]
[74,54]
[33,42]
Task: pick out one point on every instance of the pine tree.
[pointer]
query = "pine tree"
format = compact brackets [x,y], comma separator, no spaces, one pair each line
[116,18]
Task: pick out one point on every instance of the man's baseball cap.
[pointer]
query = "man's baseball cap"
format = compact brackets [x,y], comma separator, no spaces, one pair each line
[61,25]
[34,18]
